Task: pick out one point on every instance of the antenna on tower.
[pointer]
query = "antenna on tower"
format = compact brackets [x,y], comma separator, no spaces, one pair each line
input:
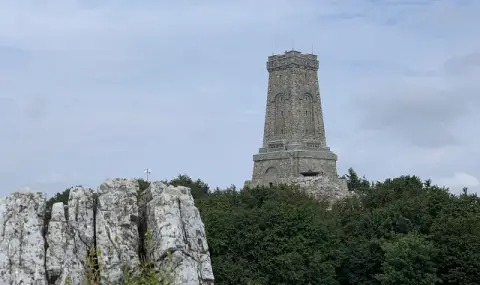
[312,48]
[293,44]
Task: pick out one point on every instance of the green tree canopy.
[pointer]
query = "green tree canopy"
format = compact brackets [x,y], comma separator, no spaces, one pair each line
[398,231]
[409,259]
[270,236]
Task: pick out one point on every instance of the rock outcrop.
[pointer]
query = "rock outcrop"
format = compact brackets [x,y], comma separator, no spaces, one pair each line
[176,228]
[323,187]
[116,227]
[112,224]
[22,245]
[70,236]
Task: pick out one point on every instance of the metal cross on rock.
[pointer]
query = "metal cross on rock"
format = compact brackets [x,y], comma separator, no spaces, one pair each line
[147,171]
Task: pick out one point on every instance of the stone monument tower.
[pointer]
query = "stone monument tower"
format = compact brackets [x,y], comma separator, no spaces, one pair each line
[294,143]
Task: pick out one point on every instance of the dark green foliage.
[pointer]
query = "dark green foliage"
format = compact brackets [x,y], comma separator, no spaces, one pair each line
[399,231]
[198,188]
[143,184]
[269,236]
[408,260]
[59,197]
[355,183]
[457,234]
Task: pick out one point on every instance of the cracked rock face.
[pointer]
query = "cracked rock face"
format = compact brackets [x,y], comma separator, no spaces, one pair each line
[323,187]
[70,237]
[175,226]
[22,252]
[116,227]
[111,220]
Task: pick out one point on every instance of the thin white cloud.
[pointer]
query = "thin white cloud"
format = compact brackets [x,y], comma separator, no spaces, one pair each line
[460,180]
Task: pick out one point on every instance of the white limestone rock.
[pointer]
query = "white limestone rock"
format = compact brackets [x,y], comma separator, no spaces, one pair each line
[323,187]
[69,241]
[22,252]
[110,219]
[176,227]
[116,227]
[57,239]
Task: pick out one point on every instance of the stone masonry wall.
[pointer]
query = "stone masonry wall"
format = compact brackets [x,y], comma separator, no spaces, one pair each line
[273,169]
[291,77]
[294,134]
[294,139]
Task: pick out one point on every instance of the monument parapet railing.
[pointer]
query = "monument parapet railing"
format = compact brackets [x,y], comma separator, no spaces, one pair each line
[292,59]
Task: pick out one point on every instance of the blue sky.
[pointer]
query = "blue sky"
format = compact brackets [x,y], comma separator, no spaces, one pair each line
[97,89]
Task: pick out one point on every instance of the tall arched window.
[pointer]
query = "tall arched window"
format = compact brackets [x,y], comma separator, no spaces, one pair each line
[280,111]
[308,118]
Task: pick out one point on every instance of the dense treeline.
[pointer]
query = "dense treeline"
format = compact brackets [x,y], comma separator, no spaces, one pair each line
[400,231]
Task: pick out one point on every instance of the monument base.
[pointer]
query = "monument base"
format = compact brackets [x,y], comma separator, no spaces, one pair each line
[319,187]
